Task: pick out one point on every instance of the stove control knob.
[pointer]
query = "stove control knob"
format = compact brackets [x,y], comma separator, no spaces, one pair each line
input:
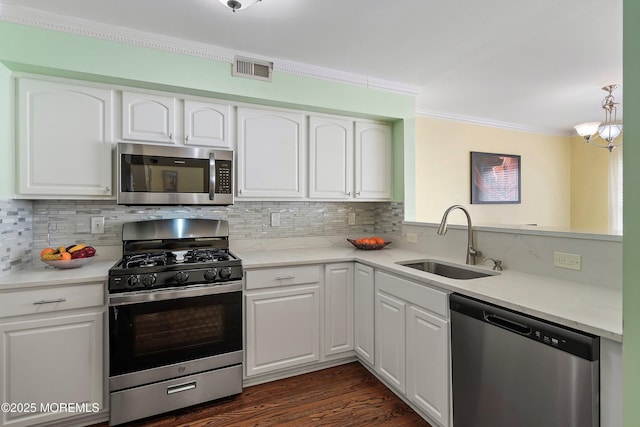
[149,280]
[132,281]
[210,275]
[182,276]
[225,273]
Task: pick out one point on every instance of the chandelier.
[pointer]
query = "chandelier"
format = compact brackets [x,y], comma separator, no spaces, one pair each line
[238,4]
[610,129]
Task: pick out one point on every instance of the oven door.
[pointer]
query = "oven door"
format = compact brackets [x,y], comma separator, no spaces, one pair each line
[180,329]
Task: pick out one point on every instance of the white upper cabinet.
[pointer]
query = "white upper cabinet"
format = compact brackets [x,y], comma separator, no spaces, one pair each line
[207,124]
[330,158]
[271,154]
[148,117]
[64,140]
[373,161]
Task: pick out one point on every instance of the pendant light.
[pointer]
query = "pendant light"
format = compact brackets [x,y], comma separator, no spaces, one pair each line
[610,129]
[238,4]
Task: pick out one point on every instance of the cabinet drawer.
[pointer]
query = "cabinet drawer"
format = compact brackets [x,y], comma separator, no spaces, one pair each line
[282,276]
[55,298]
[421,295]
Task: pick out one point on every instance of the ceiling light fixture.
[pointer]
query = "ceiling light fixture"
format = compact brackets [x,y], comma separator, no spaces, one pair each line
[239,5]
[610,129]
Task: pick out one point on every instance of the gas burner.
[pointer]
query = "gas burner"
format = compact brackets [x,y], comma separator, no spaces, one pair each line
[149,260]
[205,255]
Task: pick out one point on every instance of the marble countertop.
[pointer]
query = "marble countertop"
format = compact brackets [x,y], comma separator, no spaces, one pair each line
[593,309]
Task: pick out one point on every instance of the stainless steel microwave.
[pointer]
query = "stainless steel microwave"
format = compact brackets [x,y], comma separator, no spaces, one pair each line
[169,175]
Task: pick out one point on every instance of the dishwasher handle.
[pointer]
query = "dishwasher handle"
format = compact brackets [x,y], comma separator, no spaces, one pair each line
[508,324]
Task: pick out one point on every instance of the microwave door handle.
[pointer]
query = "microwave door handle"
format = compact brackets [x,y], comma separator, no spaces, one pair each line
[212,176]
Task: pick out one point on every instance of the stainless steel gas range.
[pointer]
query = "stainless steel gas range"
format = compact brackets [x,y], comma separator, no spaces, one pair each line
[175,318]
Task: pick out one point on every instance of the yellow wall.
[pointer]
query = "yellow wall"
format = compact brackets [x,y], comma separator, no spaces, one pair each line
[443,169]
[589,187]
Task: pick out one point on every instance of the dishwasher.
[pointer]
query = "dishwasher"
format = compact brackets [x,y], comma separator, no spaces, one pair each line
[514,370]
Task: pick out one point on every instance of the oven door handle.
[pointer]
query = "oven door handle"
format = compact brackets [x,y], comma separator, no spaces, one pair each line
[212,176]
[173,293]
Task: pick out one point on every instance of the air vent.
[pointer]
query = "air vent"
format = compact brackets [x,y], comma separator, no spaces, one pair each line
[252,69]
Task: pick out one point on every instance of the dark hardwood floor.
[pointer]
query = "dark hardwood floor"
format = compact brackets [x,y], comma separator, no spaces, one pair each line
[346,395]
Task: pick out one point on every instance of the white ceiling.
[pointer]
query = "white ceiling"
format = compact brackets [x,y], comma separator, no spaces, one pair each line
[539,64]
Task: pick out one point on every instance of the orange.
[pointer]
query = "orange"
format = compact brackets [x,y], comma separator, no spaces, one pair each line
[65,256]
[46,251]
[366,241]
[379,241]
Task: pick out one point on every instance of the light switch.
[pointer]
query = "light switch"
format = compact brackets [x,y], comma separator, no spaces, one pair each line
[275,219]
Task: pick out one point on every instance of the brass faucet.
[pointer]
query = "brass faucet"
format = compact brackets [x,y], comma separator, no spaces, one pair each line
[471,251]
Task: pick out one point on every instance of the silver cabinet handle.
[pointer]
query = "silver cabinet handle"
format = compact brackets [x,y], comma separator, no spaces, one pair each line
[348,193]
[181,387]
[170,136]
[107,189]
[186,138]
[49,301]
[357,193]
[285,277]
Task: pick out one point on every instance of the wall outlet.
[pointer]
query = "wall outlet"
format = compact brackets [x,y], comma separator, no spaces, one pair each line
[352,218]
[412,238]
[570,261]
[97,225]
[275,219]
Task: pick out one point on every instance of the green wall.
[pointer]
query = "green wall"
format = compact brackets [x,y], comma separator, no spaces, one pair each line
[6,133]
[36,50]
[631,240]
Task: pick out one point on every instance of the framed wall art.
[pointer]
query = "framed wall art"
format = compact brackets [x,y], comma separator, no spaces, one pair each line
[495,178]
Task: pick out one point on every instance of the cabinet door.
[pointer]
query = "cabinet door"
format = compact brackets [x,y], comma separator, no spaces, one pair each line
[390,339]
[271,154]
[428,363]
[148,117]
[338,308]
[373,163]
[207,124]
[283,328]
[49,361]
[364,318]
[330,158]
[64,139]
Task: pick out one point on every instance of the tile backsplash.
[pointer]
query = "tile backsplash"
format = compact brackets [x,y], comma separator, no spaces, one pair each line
[31,225]
[16,234]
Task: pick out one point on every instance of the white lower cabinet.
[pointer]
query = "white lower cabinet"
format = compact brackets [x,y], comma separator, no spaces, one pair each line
[390,340]
[52,352]
[338,308]
[283,328]
[412,343]
[282,309]
[363,313]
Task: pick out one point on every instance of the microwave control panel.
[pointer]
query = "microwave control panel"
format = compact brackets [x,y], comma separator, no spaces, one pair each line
[223,177]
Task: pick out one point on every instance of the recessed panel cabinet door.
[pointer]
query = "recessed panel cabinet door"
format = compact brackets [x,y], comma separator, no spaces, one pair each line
[283,328]
[51,361]
[390,340]
[374,159]
[206,124]
[338,308]
[428,363]
[364,317]
[271,154]
[148,117]
[64,139]
[330,158]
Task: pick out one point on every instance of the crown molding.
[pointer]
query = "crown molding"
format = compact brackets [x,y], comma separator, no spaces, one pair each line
[493,123]
[35,18]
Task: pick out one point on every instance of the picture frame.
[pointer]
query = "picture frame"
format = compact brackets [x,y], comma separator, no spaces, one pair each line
[495,178]
[170,180]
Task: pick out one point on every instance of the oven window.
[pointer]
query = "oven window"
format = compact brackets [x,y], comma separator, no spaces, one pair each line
[152,334]
[178,329]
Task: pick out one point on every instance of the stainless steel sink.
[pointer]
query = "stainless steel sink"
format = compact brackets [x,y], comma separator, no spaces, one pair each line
[446,270]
